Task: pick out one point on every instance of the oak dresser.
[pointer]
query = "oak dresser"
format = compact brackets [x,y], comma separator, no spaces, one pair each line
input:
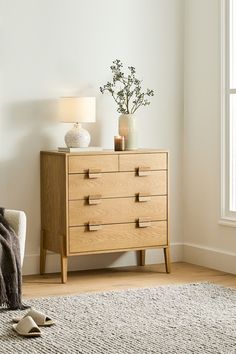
[101,202]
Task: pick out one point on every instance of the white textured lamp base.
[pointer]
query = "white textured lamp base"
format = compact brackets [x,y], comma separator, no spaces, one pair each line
[77,137]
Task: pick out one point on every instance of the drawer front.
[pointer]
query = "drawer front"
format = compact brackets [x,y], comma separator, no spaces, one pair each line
[122,184]
[103,163]
[119,210]
[117,237]
[157,161]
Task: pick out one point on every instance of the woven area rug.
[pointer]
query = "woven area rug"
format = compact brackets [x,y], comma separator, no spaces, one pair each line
[194,318]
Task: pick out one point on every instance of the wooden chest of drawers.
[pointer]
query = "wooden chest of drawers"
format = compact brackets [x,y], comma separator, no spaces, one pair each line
[103,202]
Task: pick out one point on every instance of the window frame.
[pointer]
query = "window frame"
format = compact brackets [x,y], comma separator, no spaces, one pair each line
[227,217]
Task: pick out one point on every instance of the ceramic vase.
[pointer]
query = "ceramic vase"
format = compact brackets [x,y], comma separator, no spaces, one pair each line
[127,129]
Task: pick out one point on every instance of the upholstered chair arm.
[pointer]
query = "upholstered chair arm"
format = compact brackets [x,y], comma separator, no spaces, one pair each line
[17,220]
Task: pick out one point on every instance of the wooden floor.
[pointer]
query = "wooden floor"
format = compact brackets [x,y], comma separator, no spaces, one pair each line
[122,278]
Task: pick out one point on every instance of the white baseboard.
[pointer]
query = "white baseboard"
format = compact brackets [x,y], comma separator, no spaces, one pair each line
[180,252]
[98,261]
[210,257]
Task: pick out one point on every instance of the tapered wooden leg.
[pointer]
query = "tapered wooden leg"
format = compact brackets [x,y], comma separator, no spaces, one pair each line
[142,257]
[64,262]
[167,259]
[43,252]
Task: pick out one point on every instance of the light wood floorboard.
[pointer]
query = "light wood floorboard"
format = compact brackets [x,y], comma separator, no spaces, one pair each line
[121,278]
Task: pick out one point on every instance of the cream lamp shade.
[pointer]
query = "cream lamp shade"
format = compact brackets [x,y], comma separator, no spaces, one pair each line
[77,110]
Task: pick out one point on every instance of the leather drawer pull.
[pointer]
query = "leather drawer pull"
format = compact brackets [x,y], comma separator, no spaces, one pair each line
[93,226]
[144,222]
[142,197]
[94,199]
[94,173]
[143,171]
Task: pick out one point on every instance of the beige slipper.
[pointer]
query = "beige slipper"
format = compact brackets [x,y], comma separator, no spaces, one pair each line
[39,318]
[27,327]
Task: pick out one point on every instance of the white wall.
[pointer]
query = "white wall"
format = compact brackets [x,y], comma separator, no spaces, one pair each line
[206,242]
[58,47]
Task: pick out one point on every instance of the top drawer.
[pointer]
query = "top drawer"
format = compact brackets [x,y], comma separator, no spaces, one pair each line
[155,161]
[103,163]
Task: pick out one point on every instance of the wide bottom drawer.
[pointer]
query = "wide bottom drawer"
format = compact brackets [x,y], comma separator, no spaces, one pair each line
[117,237]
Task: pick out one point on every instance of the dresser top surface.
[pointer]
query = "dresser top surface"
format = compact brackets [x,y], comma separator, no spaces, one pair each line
[106,152]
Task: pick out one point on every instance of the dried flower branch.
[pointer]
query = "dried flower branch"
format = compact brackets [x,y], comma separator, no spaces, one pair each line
[126,90]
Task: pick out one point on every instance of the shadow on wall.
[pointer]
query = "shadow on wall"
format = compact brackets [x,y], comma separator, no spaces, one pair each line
[25,134]
[29,127]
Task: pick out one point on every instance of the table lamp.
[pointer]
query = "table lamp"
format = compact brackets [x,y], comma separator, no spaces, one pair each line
[77,110]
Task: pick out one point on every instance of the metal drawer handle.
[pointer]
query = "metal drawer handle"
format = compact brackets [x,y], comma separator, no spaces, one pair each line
[94,173]
[142,197]
[94,199]
[94,226]
[143,171]
[144,222]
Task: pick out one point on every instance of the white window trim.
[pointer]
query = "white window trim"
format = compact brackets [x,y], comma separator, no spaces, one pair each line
[227,217]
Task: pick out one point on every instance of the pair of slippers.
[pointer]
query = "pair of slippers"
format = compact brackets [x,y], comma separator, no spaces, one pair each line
[28,325]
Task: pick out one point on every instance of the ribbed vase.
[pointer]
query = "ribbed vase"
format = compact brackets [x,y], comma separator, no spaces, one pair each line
[127,128]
